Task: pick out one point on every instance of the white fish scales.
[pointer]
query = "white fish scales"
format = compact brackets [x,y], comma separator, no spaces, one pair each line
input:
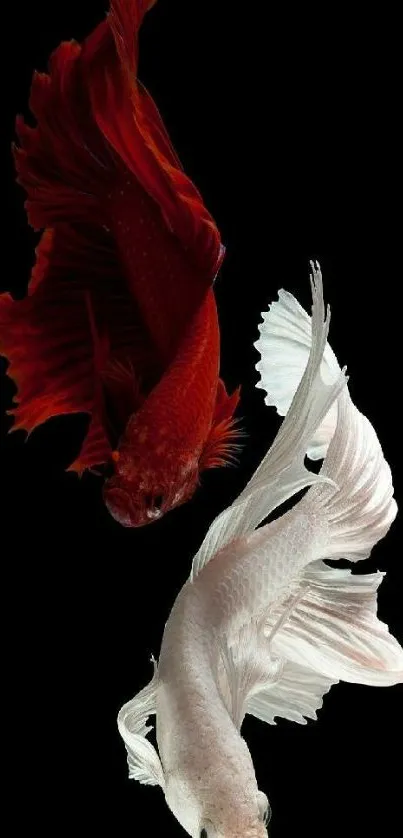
[263,625]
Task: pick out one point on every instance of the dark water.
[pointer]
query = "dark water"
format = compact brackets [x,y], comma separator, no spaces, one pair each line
[287,124]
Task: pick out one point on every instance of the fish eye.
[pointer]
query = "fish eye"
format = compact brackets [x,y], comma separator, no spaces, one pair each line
[154,501]
[158,501]
[267,815]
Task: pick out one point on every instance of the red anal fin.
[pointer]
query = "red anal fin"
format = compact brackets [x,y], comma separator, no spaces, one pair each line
[222,443]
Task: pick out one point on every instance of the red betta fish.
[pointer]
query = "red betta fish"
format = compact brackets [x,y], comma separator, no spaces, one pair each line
[120,319]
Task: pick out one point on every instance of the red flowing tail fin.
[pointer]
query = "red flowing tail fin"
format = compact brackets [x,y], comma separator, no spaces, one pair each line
[96,125]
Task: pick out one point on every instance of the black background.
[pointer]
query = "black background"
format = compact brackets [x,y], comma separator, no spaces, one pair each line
[287,121]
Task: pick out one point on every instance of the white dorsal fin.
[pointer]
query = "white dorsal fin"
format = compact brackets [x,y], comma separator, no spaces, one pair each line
[284,344]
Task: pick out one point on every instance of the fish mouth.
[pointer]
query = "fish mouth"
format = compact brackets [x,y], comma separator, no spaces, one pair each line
[120,505]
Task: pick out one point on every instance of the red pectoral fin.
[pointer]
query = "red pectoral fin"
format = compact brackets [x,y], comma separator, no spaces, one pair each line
[221,444]
[48,337]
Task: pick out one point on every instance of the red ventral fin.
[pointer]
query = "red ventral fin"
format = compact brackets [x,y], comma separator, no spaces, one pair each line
[76,321]
[221,446]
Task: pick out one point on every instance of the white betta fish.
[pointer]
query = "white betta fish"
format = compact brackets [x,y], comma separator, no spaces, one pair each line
[264,625]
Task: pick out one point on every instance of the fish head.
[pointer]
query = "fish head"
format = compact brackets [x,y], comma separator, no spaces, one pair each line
[233,823]
[209,810]
[253,830]
[148,483]
[257,831]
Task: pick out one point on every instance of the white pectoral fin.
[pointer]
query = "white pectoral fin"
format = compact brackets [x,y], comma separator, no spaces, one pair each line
[282,472]
[334,629]
[143,760]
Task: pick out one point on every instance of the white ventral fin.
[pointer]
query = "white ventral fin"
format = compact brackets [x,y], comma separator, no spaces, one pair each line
[143,760]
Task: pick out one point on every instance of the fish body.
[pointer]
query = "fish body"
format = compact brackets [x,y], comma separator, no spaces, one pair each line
[263,625]
[162,461]
[120,320]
